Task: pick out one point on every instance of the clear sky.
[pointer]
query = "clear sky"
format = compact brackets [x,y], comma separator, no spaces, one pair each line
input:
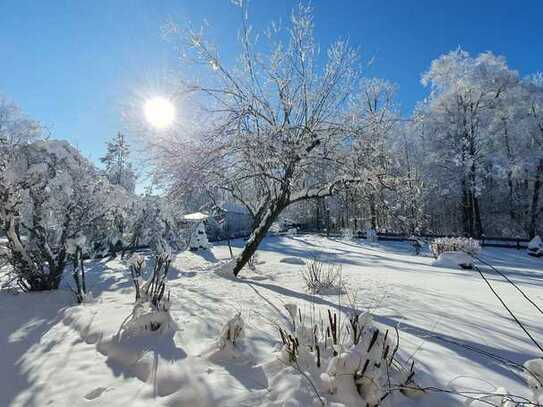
[76,64]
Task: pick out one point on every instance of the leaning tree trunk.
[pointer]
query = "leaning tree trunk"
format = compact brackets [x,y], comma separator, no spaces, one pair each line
[535,200]
[259,231]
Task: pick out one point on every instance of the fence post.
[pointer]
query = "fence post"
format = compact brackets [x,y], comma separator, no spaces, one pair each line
[518,243]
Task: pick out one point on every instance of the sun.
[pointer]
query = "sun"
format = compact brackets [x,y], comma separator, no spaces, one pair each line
[159,112]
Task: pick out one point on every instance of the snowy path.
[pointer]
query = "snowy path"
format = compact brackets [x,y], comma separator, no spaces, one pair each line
[45,362]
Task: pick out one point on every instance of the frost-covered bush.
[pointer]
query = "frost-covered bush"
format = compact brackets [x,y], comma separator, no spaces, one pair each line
[152,306]
[371,235]
[347,233]
[535,247]
[321,278]
[353,362]
[454,260]
[455,244]
[50,194]
[534,378]
[253,261]
[232,333]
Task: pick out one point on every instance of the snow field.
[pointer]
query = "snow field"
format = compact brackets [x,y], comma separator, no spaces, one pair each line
[63,354]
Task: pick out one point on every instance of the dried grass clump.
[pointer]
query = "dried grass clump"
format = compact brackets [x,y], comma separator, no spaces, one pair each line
[321,278]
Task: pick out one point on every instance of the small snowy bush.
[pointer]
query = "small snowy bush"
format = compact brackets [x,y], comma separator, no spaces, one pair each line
[152,306]
[231,333]
[347,234]
[534,378]
[371,235]
[535,247]
[253,261]
[354,363]
[320,278]
[292,231]
[454,260]
[455,244]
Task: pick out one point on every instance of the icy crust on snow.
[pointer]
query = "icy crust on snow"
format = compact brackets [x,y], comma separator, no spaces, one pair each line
[453,260]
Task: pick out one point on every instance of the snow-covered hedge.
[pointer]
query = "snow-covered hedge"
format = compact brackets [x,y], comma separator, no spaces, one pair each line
[455,244]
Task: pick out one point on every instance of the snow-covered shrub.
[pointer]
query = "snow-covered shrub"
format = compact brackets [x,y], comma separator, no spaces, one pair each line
[347,233]
[363,371]
[50,194]
[454,260]
[371,235]
[152,306]
[253,261]
[353,362]
[534,378]
[321,278]
[417,245]
[231,333]
[292,231]
[198,240]
[535,247]
[455,244]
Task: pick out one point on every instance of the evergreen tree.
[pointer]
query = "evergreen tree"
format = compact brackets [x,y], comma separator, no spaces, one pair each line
[119,170]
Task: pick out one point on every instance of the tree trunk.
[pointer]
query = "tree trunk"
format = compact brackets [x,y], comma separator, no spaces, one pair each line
[373,215]
[535,200]
[478,224]
[466,210]
[259,232]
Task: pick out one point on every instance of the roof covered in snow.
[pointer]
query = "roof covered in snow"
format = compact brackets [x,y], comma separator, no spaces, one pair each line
[233,207]
[196,216]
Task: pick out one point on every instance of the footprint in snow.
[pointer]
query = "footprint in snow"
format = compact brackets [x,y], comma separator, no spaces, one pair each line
[94,394]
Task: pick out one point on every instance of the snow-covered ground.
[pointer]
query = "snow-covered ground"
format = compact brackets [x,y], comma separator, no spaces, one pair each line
[55,353]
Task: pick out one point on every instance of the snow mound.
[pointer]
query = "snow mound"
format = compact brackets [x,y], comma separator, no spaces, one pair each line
[535,247]
[453,260]
[534,378]
[292,260]
[535,243]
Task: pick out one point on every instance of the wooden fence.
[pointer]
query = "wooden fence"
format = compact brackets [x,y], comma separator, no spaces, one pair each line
[488,241]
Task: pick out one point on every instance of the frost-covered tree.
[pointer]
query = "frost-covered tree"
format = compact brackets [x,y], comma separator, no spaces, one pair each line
[534,149]
[374,123]
[269,124]
[15,130]
[465,92]
[119,169]
[53,196]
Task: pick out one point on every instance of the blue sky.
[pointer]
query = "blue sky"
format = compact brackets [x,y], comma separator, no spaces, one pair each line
[76,64]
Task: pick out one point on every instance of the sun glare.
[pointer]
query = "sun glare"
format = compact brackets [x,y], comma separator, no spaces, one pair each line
[159,112]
